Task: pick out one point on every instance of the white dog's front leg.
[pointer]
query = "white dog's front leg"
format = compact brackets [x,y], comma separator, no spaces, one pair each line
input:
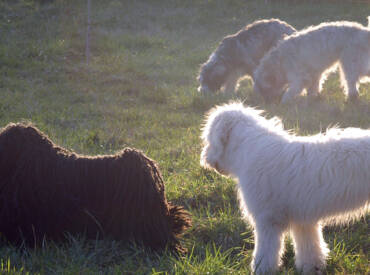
[268,247]
[310,248]
[231,83]
[313,89]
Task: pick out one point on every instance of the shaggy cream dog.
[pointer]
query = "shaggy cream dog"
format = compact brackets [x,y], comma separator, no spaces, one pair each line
[303,60]
[287,182]
[239,54]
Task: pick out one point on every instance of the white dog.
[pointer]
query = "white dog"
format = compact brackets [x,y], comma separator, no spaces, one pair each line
[239,54]
[287,182]
[303,59]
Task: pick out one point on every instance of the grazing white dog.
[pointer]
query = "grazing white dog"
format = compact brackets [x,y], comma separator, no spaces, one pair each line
[239,54]
[287,182]
[303,60]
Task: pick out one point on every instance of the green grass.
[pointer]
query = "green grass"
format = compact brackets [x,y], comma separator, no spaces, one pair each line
[140,90]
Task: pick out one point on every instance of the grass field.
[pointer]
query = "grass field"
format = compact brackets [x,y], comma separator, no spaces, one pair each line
[139,90]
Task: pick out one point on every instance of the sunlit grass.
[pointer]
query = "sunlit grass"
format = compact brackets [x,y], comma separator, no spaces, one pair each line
[140,90]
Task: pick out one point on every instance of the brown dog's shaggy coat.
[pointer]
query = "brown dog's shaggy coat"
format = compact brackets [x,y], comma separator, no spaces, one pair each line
[239,54]
[46,191]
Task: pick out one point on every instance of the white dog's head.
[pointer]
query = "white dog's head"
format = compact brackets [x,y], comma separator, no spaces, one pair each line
[220,137]
[269,79]
[230,132]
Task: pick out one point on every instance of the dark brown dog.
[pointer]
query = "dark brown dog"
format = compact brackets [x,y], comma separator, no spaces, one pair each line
[46,191]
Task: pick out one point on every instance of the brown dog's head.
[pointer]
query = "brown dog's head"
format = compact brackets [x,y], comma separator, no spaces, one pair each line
[223,62]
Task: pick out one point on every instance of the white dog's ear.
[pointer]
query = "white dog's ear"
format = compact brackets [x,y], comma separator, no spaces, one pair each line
[226,135]
[216,134]
[222,131]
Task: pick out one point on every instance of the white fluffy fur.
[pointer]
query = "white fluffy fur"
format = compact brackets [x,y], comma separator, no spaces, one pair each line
[303,60]
[288,182]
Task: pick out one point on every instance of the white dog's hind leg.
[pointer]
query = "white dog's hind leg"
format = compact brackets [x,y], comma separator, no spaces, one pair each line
[351,86]
[268,247]
[310,248]
[350,76]
[313,89]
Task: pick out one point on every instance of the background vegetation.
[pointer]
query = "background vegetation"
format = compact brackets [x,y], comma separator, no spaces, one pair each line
[139,90]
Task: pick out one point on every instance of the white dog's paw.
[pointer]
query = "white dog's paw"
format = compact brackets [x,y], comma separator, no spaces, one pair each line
[315,267]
